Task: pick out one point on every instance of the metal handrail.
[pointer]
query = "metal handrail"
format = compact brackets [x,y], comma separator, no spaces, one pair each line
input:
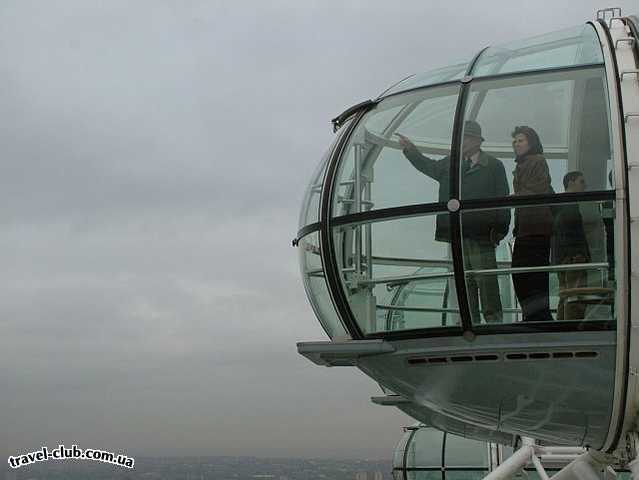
[417,309]
[406,278]
[550,268]
[495,271]
[417,262]
[405,308]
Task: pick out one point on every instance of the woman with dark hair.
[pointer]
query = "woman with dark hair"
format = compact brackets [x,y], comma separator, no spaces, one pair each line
[533,225]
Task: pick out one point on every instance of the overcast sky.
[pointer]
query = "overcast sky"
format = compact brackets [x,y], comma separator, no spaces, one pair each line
[155,155]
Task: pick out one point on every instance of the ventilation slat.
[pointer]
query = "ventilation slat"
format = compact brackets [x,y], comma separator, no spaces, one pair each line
[486,358]
[538,355]
[461,359]
[494,357]
[585,354]
[517,356]
[562,355]
[438,360]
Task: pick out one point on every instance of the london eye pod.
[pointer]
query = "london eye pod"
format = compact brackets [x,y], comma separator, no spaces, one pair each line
[489,291]
[424,453]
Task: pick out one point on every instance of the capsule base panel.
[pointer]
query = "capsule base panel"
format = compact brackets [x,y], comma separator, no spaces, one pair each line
[556,388]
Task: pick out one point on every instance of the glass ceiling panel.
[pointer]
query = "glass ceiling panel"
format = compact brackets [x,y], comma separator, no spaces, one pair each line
[425,449]
[565,48]
[445,74]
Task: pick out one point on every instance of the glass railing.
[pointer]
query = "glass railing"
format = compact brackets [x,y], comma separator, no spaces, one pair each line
[555,263]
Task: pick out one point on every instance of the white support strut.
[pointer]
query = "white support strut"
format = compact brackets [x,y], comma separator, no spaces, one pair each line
[513,464]
[584,467]
[539,467]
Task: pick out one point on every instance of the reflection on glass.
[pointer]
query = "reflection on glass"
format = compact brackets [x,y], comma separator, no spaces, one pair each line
[557,259]
[566,127]
[315,285]
[395,276]
[374,173]
[565,48]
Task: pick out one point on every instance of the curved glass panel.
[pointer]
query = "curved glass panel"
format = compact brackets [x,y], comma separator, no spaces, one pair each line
[522,135]
[463,458]
[315,285]
[394,285]
[425,449]
[463,452]
[432,77]
[564,48]
[311,203]
[398,454]
[555,263]
[376,171]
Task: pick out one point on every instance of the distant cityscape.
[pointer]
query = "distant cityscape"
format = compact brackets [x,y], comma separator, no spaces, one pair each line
[209,468]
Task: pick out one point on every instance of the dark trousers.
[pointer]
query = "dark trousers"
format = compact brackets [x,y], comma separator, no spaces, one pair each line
[532,288]
[479,254]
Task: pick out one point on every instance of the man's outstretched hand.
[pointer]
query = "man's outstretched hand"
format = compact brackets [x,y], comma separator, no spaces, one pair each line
[404,142]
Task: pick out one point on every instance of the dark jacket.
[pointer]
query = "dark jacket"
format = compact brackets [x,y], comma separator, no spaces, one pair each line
[484,180]
[569,243]
[532,177]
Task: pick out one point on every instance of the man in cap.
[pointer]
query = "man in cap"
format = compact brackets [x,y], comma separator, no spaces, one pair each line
[482,176]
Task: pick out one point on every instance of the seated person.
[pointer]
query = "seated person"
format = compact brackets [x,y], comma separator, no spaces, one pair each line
[570,246]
